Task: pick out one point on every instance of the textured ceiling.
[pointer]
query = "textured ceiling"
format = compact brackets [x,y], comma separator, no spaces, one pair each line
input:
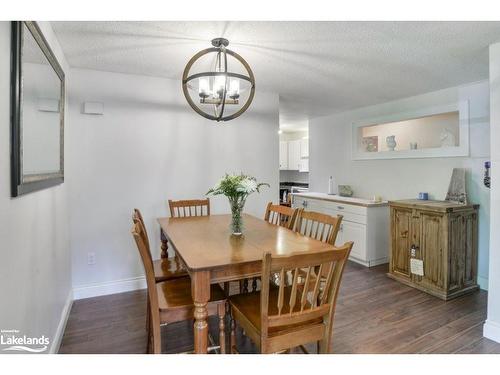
[317,68]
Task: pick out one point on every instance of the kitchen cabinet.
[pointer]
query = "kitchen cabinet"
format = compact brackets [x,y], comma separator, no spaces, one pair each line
[304,148]
[283,155]
[294,155]
[364,222]
[434,246]
[304,165]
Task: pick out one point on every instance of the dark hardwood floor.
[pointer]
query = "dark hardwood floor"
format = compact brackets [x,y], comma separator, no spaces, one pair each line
[374,315]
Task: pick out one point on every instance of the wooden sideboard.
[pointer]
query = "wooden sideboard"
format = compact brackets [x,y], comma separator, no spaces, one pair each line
[434,246]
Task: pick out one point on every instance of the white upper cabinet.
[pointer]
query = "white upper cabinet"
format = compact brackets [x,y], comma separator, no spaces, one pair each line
[304,165]
[294,155]
[304,148]
[283,155]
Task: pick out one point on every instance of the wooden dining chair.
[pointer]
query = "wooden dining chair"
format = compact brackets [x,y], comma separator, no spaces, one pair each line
[278,319]
[280,215]
[189,207]
[165,268]
[319,226]
[184,208]
[170,301]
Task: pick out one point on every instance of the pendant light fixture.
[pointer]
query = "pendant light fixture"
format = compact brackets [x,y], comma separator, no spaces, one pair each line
[218,83]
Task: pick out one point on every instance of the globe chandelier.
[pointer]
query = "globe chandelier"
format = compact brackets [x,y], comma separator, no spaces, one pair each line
[218,83]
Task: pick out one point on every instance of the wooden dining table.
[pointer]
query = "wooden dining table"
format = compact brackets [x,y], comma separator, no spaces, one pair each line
[210,254]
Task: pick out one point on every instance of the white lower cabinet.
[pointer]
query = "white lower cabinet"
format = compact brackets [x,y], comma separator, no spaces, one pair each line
[367,226]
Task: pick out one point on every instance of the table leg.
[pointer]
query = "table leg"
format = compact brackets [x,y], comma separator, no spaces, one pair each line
[164,245]
[200,291]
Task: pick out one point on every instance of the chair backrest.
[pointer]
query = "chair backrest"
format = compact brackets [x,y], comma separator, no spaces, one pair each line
[305,300]
[281,215]
[189,207]
[319,226]
[137,216]
[142,243]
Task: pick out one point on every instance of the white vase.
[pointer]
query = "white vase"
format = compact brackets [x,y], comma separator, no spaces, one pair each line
[391,142]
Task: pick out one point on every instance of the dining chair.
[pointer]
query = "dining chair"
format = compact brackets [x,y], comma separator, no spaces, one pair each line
[319,226]
[170,301]
[281,215]
[278,319]
[189,207]
[278,215]
[165,268]
[184,208]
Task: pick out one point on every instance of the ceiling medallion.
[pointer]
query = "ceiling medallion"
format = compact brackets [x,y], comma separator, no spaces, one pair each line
[218,94]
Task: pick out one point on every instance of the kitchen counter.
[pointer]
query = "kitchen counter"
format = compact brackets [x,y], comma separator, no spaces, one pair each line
[337,198]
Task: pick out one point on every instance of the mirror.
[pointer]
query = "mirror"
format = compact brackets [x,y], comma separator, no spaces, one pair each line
[38,94]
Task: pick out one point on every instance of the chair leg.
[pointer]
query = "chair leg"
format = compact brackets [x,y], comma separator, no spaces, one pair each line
[233,335]
[148,316]
[221,310]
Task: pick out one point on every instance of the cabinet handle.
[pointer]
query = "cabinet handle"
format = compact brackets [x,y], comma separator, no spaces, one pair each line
[304,203]
[340,207]
[341,227]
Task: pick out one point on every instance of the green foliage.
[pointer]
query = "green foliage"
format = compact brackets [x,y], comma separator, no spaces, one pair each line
[236,186]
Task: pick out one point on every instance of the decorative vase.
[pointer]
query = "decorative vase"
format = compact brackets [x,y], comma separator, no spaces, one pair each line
[237,204]
[391,142]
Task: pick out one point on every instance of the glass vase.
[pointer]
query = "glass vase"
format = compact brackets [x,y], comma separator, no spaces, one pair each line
[237,205]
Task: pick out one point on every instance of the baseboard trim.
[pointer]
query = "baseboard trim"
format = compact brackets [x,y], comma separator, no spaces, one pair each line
[57,339]
[491,330]
[482,282]
[111,287]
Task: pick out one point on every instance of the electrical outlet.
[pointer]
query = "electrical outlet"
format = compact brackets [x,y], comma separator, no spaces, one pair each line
[90,259]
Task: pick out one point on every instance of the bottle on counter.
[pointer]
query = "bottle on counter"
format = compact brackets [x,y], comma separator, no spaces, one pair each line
[332,187]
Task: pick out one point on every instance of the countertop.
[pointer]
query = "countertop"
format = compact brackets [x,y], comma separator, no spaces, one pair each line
[338,198]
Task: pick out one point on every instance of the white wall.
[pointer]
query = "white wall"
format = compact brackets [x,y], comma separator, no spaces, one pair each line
[492,325]
[35,267]
[330,154]
[148,147]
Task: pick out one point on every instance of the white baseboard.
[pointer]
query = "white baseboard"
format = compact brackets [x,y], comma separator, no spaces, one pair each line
[491,330]
[57,339]
[482,282]
[111,287]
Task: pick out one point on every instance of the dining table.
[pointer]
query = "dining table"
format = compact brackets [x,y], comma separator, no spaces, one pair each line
[211,254]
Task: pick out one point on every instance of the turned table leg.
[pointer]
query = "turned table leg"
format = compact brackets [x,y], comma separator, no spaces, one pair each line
[200,291]
[164,245]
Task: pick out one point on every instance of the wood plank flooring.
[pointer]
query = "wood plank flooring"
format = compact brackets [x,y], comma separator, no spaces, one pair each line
[374,315]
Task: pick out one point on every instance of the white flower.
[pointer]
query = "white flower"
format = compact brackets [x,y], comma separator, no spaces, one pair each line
[247,186]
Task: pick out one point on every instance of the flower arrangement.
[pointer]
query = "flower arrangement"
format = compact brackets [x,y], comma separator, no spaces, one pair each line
[236,188]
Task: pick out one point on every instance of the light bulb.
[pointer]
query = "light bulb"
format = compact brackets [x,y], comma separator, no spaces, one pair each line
[203,87]
[219,85]
[234,89]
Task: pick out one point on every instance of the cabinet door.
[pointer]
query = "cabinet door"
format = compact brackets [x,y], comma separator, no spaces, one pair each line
[283,155]
[304,148]
[432,243]
[401,238]
[304,165]
[294,155]
[354,232]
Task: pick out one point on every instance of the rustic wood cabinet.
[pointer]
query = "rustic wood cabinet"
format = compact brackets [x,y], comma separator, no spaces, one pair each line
[434,246]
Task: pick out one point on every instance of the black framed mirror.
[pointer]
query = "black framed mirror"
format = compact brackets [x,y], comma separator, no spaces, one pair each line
[37,111]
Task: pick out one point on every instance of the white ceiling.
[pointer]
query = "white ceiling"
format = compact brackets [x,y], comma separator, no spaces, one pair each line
[317,68]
